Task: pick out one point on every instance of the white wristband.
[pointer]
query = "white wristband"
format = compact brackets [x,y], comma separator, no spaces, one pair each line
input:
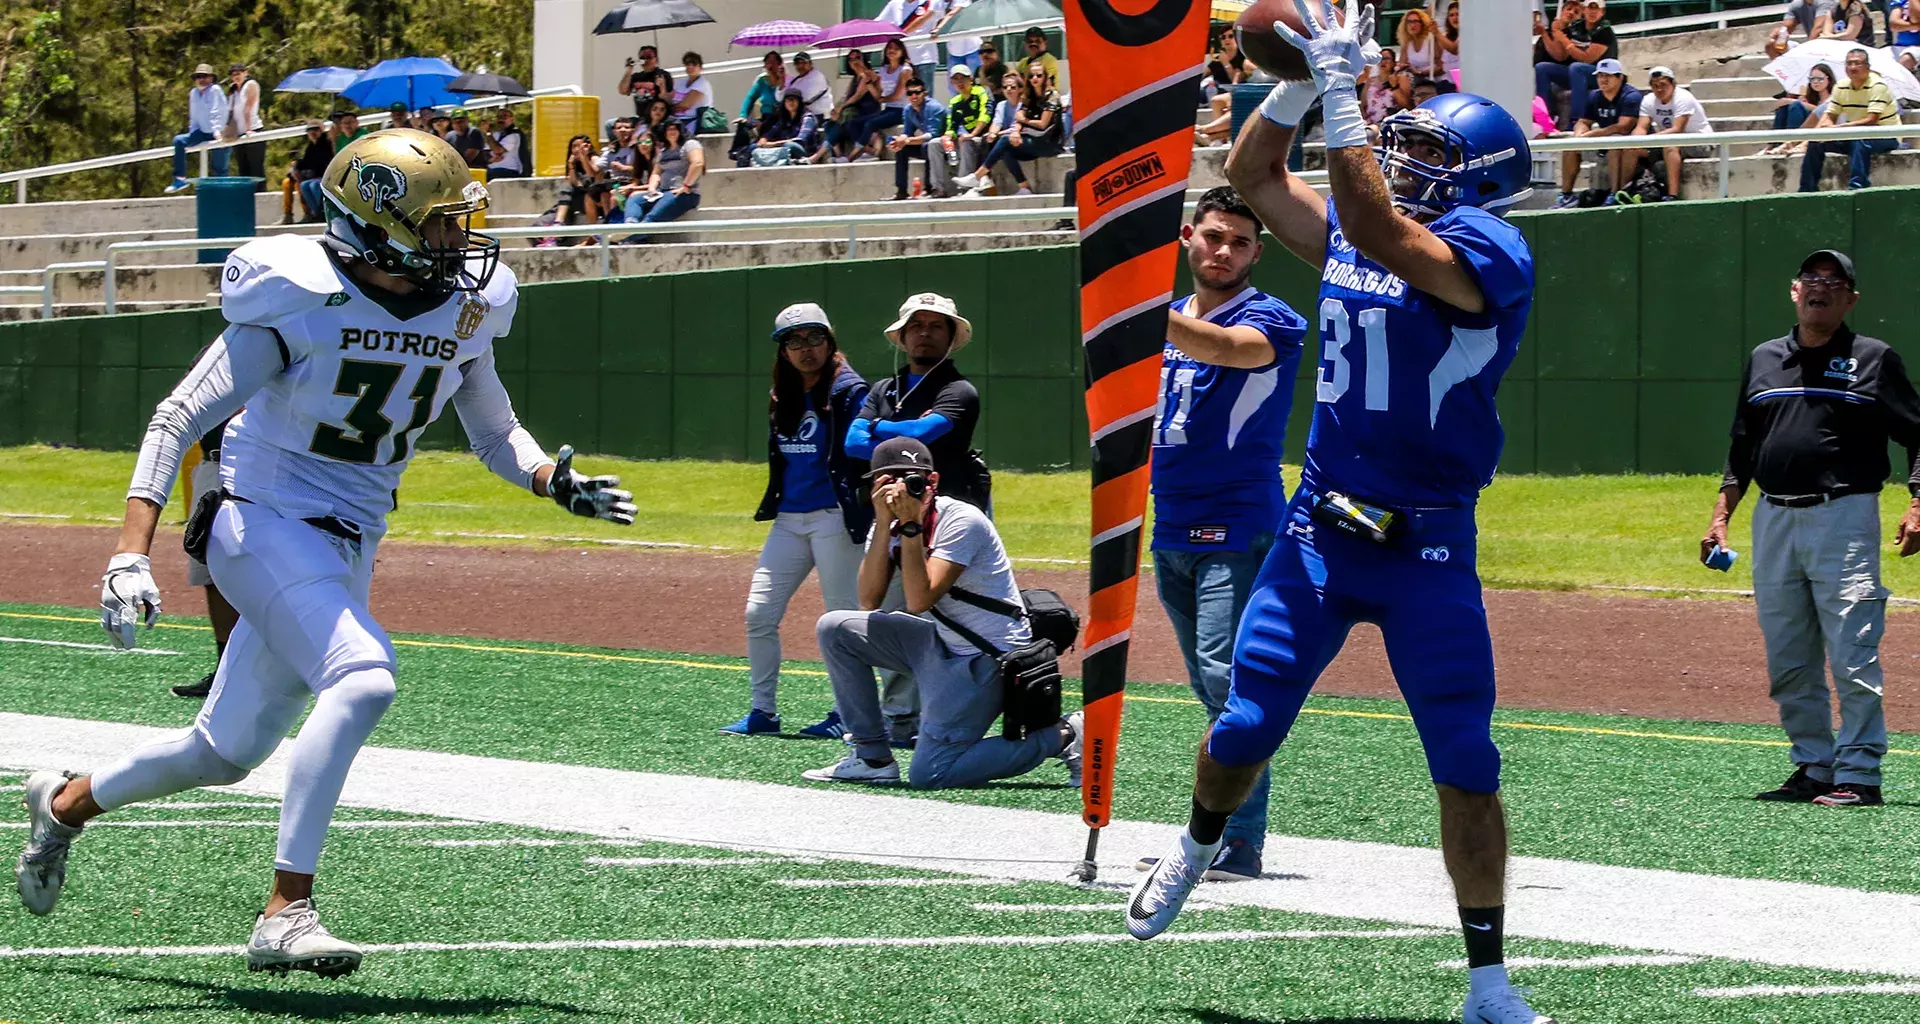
[1340,107]
[1287,103]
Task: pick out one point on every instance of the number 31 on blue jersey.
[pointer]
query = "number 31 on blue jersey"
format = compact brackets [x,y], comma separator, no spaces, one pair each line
[1468,353]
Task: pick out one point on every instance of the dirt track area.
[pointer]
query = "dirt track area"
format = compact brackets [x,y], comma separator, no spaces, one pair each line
[1656,657]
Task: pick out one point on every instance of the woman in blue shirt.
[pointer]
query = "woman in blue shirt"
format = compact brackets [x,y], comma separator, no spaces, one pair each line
[815,499]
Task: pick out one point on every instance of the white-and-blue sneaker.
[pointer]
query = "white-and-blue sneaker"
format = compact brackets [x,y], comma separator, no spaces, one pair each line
[753,723]
[1160,895]
[42,868]
[828,728]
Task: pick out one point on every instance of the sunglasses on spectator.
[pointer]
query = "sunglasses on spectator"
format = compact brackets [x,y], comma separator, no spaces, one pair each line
[916,92]
[1816,281]
[793,340]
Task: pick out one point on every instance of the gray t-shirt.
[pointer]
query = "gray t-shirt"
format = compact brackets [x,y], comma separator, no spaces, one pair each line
[963,535]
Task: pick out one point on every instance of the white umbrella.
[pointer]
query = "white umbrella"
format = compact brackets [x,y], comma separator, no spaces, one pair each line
[1791,68]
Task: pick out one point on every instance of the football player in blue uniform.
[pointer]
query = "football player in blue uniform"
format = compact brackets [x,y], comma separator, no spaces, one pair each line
[1226,385]
[1424,296]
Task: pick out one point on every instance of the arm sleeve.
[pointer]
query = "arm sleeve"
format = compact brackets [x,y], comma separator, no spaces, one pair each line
[495,433]
[1284,329]
[238,363]
[924,429]
[860,438]
[1901,406]
[1739,469]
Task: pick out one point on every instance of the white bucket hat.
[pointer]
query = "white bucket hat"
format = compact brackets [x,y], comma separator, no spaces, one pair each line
[932,303]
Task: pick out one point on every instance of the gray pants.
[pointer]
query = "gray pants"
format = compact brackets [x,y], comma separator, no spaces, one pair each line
[1816,583]
[961,694]
[899,693]
[797,543]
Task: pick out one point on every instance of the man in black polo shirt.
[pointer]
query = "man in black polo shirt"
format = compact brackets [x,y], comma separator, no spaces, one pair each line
[1816,410]
[1612,109]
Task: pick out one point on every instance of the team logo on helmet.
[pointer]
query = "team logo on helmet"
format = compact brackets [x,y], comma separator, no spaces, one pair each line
[380,184]
[472,313]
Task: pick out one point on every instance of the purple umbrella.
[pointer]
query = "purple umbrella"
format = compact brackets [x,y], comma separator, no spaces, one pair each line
[776,34]
[859,32]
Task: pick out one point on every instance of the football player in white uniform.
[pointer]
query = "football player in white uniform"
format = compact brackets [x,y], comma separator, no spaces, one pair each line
[342,349]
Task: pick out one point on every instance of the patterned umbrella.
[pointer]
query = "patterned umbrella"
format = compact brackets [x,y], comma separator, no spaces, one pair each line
[644,15]
[988,14]
[328,79]
[776,34]
[859,32]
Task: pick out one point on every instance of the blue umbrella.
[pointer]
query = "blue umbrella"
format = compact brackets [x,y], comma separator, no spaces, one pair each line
[328,79]
[416,81]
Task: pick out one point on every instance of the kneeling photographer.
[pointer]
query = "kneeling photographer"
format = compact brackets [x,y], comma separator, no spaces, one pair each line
[975,643]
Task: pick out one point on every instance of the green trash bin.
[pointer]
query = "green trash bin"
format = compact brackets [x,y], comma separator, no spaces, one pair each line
[223,208]
[1247,97]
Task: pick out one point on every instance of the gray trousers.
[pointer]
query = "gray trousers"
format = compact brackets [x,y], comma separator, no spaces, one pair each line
[1816,584]
[899,693]
[961,700]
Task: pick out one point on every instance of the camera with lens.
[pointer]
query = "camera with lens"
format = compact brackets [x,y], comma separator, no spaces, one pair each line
[916,485]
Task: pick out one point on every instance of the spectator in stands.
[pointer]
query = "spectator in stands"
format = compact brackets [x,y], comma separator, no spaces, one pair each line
[788,135]
[303,176]
[647,81]
[243,119]
[763,97]
[893,74]
[819,507]
[1419,50]
[346,127]
[659,112]
[1903,28]
[967,118]
[1450,42]
[916,17]
[847,125]
[206,118]
[695,95]
[1811,18]
[1863,99]
[1575,41]
[816,93]
[1670,110]
[1379,89]
[674,189]
[1004,140]
[1613,109]
[1798,111]
[398,116]
[440,124]
[586,184]
[992,68]
[1852,22]
[620,162]
[508,147]
[1036,40]
[468,141]
[919,137]
[1424,89]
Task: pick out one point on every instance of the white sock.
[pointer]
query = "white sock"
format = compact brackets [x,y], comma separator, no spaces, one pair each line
[1491,978]
[343,717]
[1195,851]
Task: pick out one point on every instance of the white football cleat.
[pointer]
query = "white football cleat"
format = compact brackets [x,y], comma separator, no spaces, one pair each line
[42,868]
[1501,1006]
[1157,899]
[854,768]
[295,940]
[1070,754]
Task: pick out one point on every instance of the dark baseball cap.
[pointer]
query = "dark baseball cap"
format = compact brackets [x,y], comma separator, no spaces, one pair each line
[900,455]
[1838,258]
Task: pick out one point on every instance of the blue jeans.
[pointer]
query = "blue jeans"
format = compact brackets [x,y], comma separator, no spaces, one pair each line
[671,206]
[1204,594]
[193,137]
[1859,166]
[1005,151]
[310,195]
[1576,77]
[1789,117]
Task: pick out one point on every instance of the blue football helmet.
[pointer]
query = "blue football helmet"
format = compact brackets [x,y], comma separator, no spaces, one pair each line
[1486,160]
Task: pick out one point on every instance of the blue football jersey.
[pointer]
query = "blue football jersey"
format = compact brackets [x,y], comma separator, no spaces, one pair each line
[1404,413]
[1218,431]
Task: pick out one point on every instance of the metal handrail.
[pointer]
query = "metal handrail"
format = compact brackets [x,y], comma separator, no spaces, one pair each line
[21,177]
[1724,141]
[1718,19]
[51,270]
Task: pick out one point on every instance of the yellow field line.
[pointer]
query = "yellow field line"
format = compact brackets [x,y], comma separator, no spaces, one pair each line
[1577,730]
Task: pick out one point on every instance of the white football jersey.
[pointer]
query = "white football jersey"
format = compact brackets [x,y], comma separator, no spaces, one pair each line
[332,434]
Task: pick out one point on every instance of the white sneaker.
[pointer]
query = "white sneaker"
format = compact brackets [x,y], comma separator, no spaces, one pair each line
[854,768]
[966,181]
[1070,754]
[42,868]
[295,940]
[1160,895]
[1501,1006]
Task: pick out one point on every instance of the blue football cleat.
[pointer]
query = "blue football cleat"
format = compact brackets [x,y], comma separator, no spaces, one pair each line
[755,723]
[828,728]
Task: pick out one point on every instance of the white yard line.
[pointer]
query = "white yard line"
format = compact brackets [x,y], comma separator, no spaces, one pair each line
[1621,908]
[887,883]
[1884,988]
[1068,908]
[85,647]
[674,862]
[263,823]
[455,843]
[824,942]
[13,789]
[1585,963]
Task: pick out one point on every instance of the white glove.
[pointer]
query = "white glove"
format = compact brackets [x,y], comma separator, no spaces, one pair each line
[595,497]
[1337,53]
[126,591]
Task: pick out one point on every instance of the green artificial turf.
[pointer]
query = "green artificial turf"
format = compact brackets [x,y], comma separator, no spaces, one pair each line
[1578,787]
[1537,532]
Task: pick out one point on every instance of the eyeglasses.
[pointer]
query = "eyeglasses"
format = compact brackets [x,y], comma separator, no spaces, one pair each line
[916,92]
[1813,281]
[796,340]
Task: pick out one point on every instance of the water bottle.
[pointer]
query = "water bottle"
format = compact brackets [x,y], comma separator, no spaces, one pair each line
[1722,559]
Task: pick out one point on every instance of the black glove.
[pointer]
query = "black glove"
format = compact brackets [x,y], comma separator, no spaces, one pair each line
[595,497]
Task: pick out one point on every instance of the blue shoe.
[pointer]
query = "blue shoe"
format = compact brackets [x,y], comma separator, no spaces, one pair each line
[828,728]
[755,723]
[1237,861]
[1567,199]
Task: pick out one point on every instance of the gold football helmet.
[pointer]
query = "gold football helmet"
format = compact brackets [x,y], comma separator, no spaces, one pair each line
[383,192]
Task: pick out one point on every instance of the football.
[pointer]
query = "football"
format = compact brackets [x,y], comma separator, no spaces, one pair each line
[1263,46]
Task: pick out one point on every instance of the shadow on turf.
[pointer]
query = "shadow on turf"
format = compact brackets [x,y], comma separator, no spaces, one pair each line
[307,1004]
[1218,1017]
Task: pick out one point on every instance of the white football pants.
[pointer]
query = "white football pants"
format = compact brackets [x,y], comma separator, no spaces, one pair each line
[304,631]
